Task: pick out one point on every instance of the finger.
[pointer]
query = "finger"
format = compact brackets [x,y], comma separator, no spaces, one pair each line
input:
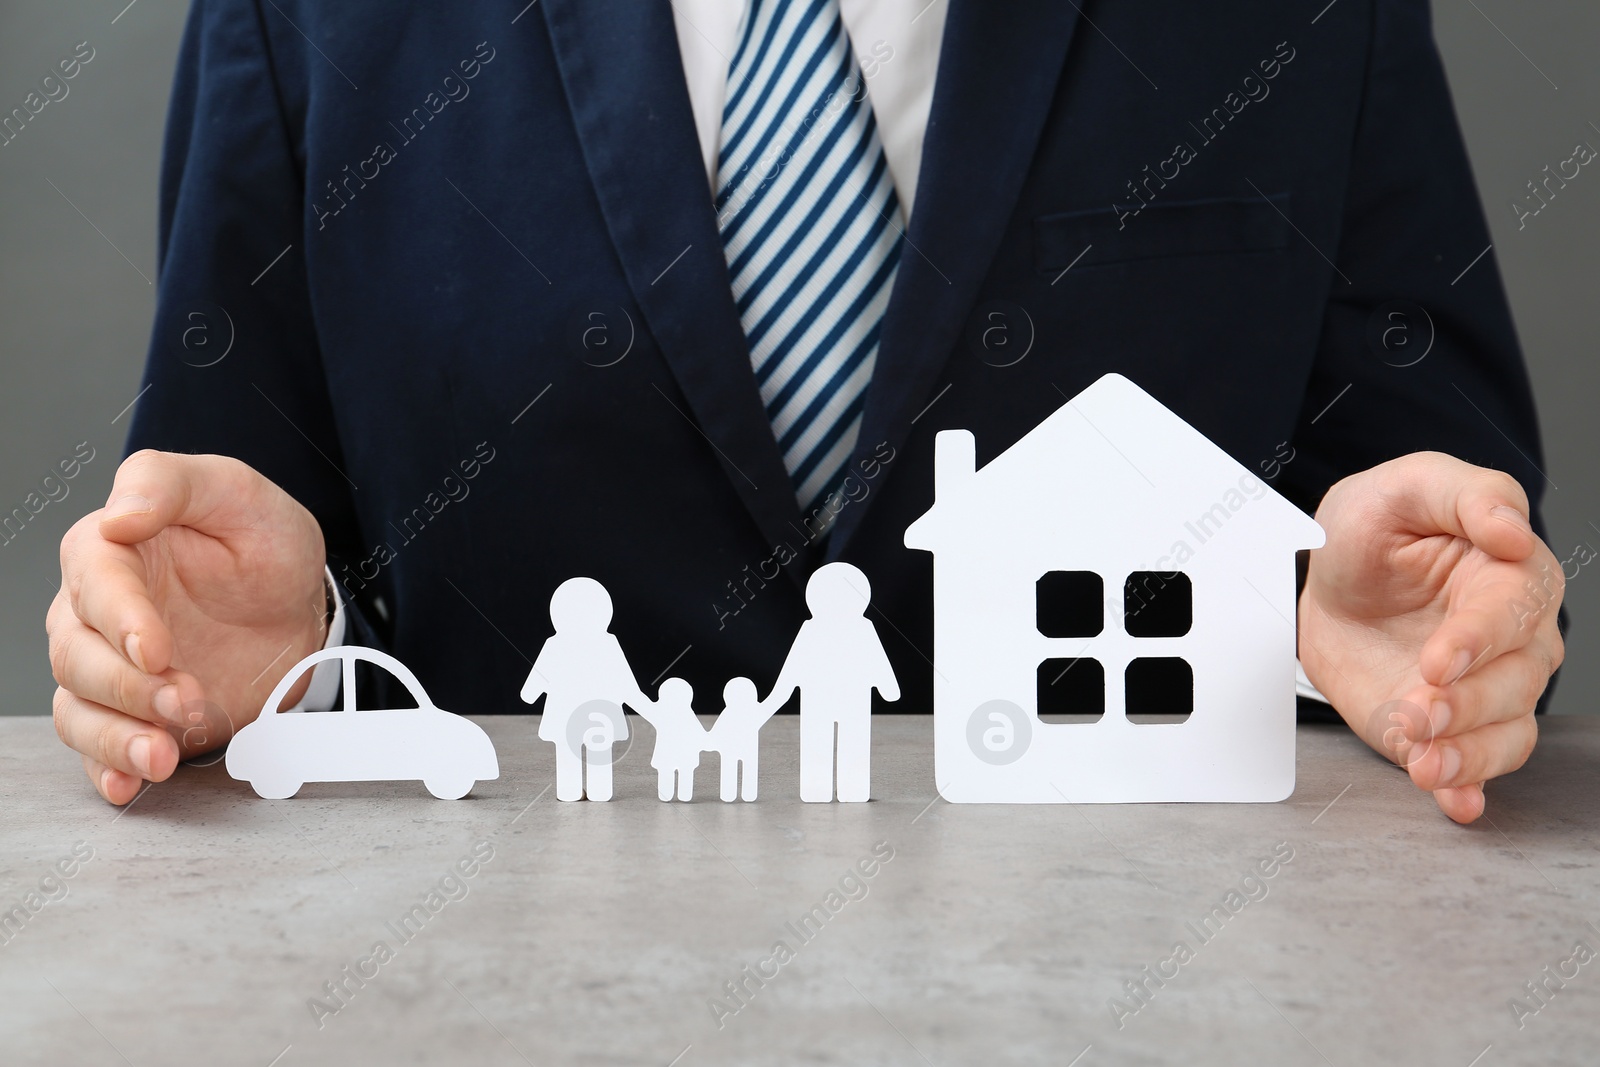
[115,786]
[1432,493]
[105,585]
[1513,605]
[84,663]
[1502,614]
[154,490]
[118,741]
[206,727]
[1467,759]
[1504,688]
[1463,804]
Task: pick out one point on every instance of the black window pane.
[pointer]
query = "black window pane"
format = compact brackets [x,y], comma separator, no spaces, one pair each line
[1157,604]
[1159,689]
[1071,690]
[1070,604]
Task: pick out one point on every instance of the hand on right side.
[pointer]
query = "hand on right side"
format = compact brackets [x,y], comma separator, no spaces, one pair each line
[183,602]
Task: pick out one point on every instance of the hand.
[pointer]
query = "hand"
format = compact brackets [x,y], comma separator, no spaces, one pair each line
[183,603]
[1429,620]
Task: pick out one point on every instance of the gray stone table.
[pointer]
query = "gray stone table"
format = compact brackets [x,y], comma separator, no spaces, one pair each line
[203,925]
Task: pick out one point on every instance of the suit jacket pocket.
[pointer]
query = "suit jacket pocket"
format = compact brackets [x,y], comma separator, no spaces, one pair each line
[1182,228]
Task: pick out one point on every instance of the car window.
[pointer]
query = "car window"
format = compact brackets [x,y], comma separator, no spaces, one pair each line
[377,687]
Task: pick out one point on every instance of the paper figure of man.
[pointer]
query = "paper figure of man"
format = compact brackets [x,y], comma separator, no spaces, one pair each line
[679,739]
[736,737]
[585,679]
[836,662]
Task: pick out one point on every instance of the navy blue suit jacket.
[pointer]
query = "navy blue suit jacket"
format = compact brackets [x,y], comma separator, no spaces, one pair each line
[410,223]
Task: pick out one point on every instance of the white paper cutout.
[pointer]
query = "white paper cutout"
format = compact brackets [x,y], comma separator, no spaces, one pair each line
[736,738]
[1112,483]
[679,739]
[836,661]
[593,728]
[585,679]
[280,751]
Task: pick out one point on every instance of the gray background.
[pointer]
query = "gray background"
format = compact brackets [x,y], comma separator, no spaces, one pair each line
[75,304]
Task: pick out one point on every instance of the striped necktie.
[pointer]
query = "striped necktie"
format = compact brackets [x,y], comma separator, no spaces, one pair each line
[811,230]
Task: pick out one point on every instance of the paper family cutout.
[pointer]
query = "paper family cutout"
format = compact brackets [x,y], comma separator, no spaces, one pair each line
[1111,492]
[835,663]
[281,751]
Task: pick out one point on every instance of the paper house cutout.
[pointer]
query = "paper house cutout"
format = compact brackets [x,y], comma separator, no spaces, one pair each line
[281,751]
[1112,485]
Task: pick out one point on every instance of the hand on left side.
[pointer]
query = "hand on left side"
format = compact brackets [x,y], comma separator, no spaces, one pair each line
[1429,620]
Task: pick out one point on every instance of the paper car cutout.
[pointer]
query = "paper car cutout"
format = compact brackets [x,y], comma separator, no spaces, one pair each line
[1113,552]
[281,751]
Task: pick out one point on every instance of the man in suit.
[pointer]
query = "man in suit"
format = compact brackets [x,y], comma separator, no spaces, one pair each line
[677,297]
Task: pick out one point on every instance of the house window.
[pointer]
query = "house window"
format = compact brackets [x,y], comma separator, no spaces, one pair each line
[1071,690]
[1159,689]
[1070,604]
[1157,604]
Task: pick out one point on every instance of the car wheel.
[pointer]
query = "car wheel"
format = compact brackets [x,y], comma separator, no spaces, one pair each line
[450,788]
[276,789]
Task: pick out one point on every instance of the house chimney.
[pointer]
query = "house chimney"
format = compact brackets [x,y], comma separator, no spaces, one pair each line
[955,460]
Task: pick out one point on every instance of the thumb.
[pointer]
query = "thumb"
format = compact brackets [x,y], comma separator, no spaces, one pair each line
[154,490]
[1432,493]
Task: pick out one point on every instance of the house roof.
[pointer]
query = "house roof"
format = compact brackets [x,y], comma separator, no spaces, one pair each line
[1113,456]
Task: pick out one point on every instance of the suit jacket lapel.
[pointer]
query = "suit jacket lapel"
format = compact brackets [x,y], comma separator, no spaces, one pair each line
[999,65]
[623,73]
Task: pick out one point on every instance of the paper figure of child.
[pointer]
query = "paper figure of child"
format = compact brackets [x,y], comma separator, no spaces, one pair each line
[679,739]
[736,736]
[836,661]
[585,679]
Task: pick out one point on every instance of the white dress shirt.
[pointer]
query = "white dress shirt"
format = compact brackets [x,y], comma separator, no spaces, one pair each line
[899,43]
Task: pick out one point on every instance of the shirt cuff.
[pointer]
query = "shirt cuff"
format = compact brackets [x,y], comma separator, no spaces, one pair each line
[1302,686]
[324,688]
